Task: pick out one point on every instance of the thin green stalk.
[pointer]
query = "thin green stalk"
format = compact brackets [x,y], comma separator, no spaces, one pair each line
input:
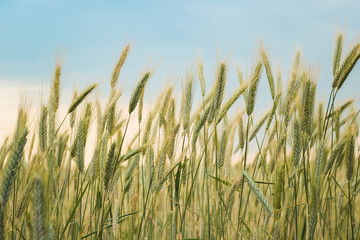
[192,185]
[242,184]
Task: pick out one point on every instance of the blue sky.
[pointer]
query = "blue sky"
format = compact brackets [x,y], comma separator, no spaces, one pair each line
[89,36]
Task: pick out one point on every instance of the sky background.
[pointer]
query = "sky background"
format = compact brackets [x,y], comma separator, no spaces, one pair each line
[88,37]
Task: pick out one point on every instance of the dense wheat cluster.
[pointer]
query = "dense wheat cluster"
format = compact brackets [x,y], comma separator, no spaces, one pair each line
[189,172]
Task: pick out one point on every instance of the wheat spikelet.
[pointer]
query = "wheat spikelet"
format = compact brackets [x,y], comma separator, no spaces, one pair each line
[333,156]
[165,105]
[155,128]
[150,165]
[81,97]
[296,143]
[279,187]
[340,201]
[150,119]
[61,149]
[109,168]
[160,169]
[12,168]
[131,167]
[290,95]
[95,163]
[43,129]
[315,191]
[259,195]
[141,106]
[171,116]
[39,210]
[20,124]
[344,106]
[205,103]
[103,152]
[258,125]
[52,178]
[308,102]
[24,199]
[189,95]
[320,120]
[134,152]
[219,91]
[279,145]
[128,185]
[231,101]
[171,141]
[336,120]
[297,59]
[80,145]
[199,125]
[341,154]
[118,66]
[73,113]
[269,74]
[51,115]
[3,152]
[347,66]
[337,56]
[55,89]
[241,132]
[272,134]
[138,90]
[110,120]
[222,148]
[350,156]
[234,187]
[273,111]
[253,86]
[200,72]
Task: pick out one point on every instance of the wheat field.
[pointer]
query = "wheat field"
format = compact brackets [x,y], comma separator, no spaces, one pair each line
[189,171]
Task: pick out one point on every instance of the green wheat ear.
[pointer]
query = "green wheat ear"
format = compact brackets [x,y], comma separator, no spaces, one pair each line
[296,143]
[39,210]
[259,195]
[253,86]
[12,168]
[43,129]
[350,156]
[55,88]
[219,91]
[337,55]
[81,97]
[119,64]
[138,90]
[222,148]
[279,187]
[258,125]
[188,100]
[200,71]
[347,66]
[269,74]
[24,199]
[315,190]
[80,145]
